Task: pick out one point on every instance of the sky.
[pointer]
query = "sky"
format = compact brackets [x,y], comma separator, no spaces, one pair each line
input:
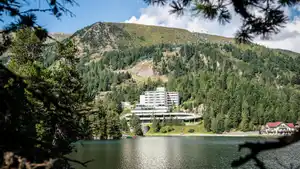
[88,12]
[136,11]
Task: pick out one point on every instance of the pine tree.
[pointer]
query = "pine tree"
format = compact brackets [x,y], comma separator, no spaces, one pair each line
[214,125]
[124,125]
[113,126]
[26,46]
[220,125]
[155,125]
[244,125]
[227,124]
[102,123]
[207,121]
[136,125]
[52,102]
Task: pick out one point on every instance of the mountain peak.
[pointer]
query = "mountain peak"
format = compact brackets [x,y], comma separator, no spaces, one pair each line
[106,36]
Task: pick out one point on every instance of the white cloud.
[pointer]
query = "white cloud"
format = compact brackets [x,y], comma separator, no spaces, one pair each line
[288,38]
[160,16]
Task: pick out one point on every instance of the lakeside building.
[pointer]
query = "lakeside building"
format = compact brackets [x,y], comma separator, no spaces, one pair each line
[278,128]
[160,97]
[158,104]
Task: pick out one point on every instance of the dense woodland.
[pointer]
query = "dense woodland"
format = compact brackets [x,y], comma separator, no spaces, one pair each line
[40,105]
[62,82]
[241,86]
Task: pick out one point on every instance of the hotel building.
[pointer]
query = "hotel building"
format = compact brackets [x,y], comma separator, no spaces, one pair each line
[158,104]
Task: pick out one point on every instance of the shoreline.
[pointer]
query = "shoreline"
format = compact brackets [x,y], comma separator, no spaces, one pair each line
[211,135]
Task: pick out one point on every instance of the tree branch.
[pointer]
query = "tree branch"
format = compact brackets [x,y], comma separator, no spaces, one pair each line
[36,10]
[78,162]
[256,148]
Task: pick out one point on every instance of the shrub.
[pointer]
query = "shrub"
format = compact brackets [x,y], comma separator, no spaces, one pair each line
[163,130]
[169,128]
[156,125]
[191,131]
[166,129]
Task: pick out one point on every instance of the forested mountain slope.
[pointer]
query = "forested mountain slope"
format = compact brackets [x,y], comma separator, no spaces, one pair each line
[240,86]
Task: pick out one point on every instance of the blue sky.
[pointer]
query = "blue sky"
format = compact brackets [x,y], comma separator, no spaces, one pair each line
[294,12]
[93,11]
[136,11]
[89,12]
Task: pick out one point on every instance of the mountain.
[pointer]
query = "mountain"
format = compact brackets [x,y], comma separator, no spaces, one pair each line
[101,37]
[235,86]
[57,36]
[149,51]
[54,37]
[113,42]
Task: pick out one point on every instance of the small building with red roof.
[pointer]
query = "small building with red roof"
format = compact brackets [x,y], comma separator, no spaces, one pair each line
[279,128]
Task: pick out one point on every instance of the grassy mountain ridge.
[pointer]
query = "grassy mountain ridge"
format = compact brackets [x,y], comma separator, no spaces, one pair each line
[106,36]
[96,39]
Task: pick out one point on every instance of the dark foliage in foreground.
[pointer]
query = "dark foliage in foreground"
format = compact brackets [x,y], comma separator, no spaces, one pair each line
[19,119]
[39,116]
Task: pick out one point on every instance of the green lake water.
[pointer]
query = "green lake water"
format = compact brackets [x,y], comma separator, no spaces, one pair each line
[177,153]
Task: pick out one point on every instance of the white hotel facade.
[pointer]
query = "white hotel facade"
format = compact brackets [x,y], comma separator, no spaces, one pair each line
[158,104]
[160,98]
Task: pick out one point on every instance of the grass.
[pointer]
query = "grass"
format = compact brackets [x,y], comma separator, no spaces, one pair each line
[128,133]
[135,35]
[199,129]
[165,35]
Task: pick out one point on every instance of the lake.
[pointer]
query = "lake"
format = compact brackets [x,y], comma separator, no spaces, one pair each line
[177,153]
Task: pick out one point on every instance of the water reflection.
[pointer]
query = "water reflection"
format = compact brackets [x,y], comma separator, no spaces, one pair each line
[175,153]
[127,154]
[152,153]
